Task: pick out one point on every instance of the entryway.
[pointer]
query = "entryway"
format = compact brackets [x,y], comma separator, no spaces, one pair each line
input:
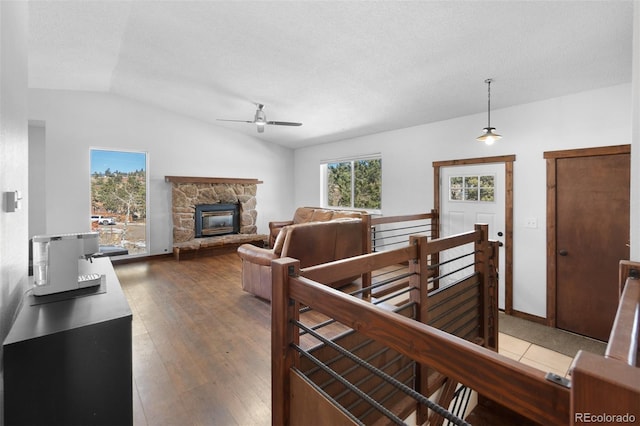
[458,212]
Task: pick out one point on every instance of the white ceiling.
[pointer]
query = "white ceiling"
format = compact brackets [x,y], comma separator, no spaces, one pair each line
[343,68]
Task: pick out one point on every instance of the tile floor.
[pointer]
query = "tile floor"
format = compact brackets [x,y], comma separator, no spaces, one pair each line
[534,355]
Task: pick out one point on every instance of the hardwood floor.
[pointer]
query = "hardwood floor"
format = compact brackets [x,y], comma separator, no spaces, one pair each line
[201,346]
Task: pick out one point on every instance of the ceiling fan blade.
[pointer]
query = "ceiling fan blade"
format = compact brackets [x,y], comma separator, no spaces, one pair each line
[284,123]
[237,121]
[260,119]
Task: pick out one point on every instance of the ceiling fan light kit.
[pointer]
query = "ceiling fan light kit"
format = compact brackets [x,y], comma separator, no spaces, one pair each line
[489,136]
[260,120]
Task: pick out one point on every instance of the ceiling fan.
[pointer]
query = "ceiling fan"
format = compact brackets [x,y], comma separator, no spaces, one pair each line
[260,120]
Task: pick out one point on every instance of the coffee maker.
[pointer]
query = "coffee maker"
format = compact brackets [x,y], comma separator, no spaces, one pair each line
[63,262]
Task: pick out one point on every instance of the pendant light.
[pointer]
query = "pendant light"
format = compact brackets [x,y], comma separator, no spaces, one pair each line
[489,136]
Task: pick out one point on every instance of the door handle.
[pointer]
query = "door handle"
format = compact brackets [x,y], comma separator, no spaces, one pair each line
[563,252]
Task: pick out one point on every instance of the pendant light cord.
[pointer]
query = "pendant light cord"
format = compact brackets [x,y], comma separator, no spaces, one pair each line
[488,81]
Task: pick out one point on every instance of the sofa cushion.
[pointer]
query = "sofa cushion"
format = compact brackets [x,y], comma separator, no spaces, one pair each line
[303,215]
[311,243]
[339,214]
[320,215]
[348,238]
[321,242]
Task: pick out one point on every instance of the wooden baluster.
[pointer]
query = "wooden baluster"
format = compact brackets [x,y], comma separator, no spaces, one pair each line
[283,334]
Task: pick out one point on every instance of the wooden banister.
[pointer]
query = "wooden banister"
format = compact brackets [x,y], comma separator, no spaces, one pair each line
[401,218]
[607,389]
[327,272]
[604,387]
[522,388]
[516,386]
[623,340]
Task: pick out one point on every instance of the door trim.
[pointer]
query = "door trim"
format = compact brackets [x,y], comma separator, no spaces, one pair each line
[552,157]
[508,214]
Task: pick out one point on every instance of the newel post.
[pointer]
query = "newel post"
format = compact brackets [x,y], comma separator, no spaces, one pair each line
[419,282]
[483,254]
[283,311]
[491,307]
[435,257]
[367,247]
[435,224]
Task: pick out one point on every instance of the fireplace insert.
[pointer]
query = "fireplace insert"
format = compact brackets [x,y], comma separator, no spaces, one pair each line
[217,219]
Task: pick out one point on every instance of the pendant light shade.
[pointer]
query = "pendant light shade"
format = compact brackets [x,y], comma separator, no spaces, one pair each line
[489,136]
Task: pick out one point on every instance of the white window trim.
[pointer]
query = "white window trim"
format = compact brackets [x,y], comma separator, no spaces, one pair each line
[463,187]
[323,180]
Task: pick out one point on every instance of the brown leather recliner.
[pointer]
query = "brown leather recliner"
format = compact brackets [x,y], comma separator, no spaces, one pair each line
[311,243]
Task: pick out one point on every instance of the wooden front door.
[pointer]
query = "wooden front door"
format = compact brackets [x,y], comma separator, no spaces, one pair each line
[592,236]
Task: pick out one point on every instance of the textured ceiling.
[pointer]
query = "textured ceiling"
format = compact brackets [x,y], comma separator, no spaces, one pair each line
[344,69]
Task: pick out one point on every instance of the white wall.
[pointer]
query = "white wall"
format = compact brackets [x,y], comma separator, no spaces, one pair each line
[37,169]
[13,163]
[635,147]
[176,146]
[595,118]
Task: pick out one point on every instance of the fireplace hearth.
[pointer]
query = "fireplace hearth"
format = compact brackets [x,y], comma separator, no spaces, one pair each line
[216,219]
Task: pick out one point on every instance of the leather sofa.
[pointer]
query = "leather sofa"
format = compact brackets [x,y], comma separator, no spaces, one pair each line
[311,243]
[310,214]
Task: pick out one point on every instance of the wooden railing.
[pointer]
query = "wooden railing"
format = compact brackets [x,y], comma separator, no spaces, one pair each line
[389,232]
[606,389]
[603,389]
[520,388]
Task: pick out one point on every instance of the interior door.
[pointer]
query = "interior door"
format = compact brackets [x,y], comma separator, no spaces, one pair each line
[462,207]
[592,236]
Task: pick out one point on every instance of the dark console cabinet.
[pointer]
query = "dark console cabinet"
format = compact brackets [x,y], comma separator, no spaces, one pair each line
[68,362]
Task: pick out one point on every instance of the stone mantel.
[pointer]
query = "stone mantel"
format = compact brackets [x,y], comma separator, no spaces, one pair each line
[188,192]
[190,179]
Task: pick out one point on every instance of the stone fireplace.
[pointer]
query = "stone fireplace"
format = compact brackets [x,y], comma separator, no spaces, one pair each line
[190,195]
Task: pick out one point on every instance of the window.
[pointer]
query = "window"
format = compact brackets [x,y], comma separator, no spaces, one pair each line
[353,183]
[472,188]
[119,200]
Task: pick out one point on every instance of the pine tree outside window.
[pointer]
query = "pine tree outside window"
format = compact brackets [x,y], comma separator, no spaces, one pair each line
[119,199]
[353,183]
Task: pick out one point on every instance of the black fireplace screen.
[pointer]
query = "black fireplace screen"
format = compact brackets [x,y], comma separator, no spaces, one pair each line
[217,219]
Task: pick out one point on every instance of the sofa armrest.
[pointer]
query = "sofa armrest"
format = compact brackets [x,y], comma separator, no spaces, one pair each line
[257,255]
[280,224]
[274,230]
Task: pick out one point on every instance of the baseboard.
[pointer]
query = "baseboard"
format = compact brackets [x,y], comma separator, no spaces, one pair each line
[529,317]
[141,258]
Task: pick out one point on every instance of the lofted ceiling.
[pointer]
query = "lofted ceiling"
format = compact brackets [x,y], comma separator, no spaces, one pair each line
[343,68]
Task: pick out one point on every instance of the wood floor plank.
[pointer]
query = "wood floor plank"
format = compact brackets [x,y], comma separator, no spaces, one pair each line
[201,346]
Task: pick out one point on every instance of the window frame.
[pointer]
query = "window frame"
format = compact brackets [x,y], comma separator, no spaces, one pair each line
[146,154]
[324,181]
[464,188]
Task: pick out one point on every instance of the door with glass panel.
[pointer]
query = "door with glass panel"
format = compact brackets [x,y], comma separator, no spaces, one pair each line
[471,194]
